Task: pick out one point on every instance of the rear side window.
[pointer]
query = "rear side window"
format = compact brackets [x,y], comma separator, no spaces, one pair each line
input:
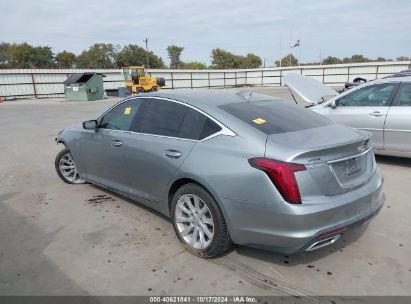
[274,117]
[163,117]
[168,118]
[209,128]
[197,126]
[404,95]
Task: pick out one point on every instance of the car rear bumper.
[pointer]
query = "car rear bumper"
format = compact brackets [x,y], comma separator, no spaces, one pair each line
[288,228]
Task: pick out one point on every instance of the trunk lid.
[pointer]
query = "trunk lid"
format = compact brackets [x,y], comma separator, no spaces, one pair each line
[308,88]
[338,159]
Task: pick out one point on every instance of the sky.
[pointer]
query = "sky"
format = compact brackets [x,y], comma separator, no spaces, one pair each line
[333,28]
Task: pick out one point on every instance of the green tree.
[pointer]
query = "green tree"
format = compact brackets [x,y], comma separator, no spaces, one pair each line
[222,59]
[381,59]
[20,56]
[135,55]
[331,60]
[43,57]
[65,60]
[26,56]
[174,53]
[99,56]
[252,61]
[359,59]
[288,60]
[403,58]
[4,55]
[195,65]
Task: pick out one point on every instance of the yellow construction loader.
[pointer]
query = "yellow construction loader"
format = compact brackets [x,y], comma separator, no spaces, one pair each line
[138,81]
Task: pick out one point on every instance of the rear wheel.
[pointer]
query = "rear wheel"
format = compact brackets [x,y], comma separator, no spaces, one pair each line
[154,89]
[140,90]
[66,168]
[199,222]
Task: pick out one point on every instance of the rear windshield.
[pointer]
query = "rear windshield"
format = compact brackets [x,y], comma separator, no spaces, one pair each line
[274,117]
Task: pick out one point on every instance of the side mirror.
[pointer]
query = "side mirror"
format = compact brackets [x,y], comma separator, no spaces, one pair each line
[90,124]
[333,104]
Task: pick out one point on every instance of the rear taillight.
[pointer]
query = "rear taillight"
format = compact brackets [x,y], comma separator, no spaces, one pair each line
[282,175]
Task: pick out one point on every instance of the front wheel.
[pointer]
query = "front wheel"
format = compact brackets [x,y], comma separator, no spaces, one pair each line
[199,222]
[66,168]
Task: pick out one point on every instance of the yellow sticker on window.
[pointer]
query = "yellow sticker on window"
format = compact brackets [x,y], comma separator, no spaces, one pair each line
[127,111]
[259,121]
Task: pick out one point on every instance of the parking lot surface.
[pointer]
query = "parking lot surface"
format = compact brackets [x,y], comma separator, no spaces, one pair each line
[60,239]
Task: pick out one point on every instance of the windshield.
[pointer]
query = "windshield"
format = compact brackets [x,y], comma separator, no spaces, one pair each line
[126,73]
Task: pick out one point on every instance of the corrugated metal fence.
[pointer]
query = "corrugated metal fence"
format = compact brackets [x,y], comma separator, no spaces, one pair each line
[43,83]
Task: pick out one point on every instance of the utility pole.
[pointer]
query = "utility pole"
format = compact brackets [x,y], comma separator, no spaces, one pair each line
[147,62]
[281,54]
[291,49]
[321,58]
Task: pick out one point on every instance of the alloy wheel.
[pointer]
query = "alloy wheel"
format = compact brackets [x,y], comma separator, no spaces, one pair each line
[68,169]
[194,221]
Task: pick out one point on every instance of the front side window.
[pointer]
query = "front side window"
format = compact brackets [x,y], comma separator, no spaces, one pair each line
[167,118]
[371,96]
[404,95]
[121,116]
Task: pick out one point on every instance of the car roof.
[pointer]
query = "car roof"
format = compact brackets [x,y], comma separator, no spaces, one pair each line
[209,101]
[393,78]
[404,73]
[206,98]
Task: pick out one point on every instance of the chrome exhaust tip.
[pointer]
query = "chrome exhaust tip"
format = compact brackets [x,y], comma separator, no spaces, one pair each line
[323,242]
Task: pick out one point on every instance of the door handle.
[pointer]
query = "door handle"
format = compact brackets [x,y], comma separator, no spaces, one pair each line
[117,143]
[172,153]
[376,113]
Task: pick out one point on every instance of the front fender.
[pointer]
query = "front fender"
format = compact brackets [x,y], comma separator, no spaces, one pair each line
[71,138]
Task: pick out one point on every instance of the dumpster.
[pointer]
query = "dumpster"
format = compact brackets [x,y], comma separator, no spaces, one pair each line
[84,87]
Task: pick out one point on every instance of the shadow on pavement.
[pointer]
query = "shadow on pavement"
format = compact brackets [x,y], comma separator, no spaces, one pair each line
[392,160]
[24,269]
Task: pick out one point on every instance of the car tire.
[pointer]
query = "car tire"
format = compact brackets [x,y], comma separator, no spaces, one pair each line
[154,89]
[210,247]
[66,168]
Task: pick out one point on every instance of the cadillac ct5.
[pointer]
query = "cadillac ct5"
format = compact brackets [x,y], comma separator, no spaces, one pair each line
[230,167]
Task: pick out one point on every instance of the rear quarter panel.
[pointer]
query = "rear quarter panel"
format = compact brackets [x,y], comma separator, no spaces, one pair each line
[221,166]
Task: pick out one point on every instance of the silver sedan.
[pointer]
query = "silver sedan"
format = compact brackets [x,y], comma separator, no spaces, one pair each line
[230,168]
[382,107]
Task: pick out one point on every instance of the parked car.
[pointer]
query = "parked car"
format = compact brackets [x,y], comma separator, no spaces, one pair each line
[382,107]
[230,168]
[356,82]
